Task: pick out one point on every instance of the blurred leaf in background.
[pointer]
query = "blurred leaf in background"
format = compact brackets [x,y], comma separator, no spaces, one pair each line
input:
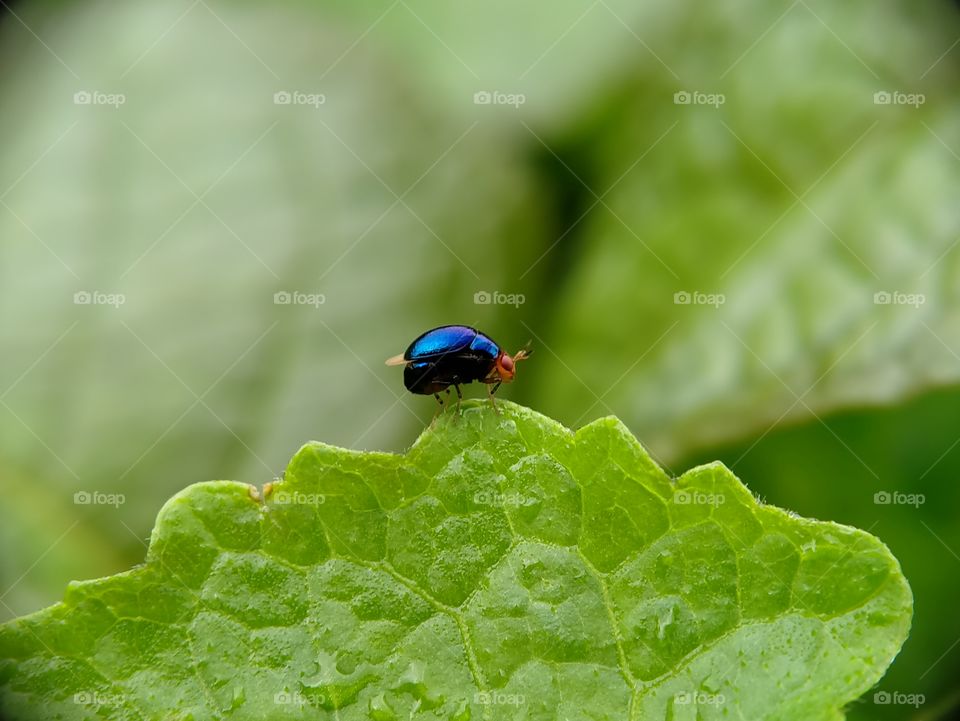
[734,226]
[203,276]
[807,235]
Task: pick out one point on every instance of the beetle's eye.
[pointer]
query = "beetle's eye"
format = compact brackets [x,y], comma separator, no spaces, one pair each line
[506,362]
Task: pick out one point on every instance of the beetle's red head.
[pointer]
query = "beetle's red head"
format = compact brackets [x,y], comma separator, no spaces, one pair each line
[507,365]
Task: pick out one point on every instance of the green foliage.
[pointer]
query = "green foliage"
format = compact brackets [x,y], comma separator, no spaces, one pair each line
[295,199]
[792,212]
[711,192]
[503,567]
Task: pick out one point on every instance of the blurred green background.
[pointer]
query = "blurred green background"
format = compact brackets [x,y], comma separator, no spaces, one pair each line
[734,225]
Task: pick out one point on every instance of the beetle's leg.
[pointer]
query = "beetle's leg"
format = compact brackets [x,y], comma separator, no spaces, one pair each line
[493,403]
[495,387]
[459,396]
[438,411]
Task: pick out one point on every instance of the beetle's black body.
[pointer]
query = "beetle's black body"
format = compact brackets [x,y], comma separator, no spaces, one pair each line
[428,377]
[448,356]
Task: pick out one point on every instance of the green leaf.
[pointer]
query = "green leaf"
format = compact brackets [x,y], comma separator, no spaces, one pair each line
[912,448]
[503,567]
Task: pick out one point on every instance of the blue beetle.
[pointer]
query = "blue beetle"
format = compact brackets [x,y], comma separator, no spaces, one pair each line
[452,355]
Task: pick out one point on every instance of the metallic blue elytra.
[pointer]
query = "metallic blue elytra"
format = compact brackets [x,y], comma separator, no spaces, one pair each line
[449,339]
[453,355]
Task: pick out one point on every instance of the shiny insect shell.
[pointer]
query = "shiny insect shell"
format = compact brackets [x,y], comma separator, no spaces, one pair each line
[454,355]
